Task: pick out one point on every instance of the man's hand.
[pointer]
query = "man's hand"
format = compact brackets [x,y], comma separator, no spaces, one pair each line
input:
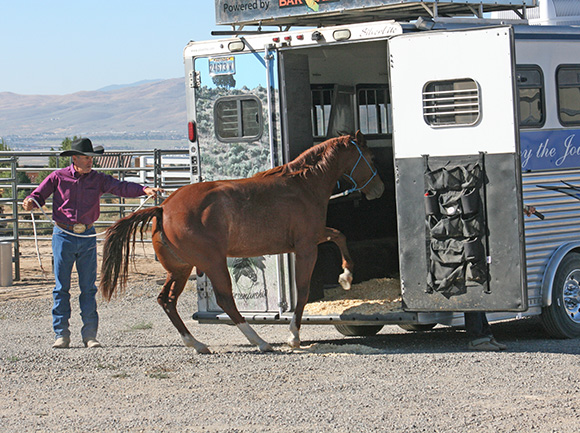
[28,204]
[153,191]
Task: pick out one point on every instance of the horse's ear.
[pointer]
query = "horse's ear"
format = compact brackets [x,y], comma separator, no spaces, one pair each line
[360,138]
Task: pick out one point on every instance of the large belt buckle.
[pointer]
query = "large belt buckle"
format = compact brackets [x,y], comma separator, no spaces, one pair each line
[79,228]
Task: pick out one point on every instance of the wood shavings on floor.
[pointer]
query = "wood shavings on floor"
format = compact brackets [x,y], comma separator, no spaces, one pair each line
[338,349]
[375,296]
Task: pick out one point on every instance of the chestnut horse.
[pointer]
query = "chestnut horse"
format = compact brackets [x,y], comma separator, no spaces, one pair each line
[281,210]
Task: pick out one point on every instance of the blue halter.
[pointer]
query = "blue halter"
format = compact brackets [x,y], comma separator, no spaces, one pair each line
[355,187]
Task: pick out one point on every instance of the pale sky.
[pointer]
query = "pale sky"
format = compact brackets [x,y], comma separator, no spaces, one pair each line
[57,47]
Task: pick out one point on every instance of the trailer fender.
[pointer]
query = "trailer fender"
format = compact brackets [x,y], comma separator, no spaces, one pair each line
[552,267]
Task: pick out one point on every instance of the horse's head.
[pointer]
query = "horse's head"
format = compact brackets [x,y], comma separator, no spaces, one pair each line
[363,173]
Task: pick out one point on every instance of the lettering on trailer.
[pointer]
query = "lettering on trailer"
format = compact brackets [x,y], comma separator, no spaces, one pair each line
[247,6]
[370,32]
[548,150]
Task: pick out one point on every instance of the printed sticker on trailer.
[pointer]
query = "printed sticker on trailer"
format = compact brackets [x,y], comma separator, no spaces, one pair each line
[550,149]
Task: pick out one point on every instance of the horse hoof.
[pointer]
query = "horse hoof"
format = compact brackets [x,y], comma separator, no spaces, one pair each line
[294,342]
[204,350]
[345,279]
[189,341]
[266,348]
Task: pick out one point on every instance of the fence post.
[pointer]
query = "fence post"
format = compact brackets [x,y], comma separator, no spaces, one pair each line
[12,183]
[157,171]
[16,243]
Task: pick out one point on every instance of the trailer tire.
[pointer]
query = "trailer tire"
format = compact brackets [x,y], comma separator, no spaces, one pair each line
[417,327]
[562,318]
[358,330]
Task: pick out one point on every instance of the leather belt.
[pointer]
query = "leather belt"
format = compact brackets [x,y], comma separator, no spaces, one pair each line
[75,228]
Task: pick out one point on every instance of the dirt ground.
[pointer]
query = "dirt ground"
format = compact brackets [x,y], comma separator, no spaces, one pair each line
[144,380]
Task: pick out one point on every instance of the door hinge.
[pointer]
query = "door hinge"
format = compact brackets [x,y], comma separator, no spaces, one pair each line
[194,79]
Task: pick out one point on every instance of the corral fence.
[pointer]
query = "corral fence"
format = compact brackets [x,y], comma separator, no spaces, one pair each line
[167,169]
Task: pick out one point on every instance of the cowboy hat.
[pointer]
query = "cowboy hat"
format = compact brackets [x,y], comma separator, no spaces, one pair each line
[83,146]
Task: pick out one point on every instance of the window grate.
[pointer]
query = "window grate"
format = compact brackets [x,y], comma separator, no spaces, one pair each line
[374,109]
[238,118]
[321,107]
[451,103]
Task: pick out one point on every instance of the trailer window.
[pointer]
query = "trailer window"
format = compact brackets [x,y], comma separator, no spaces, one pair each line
[568,82]
[530,82]
[451,103]
[321,108]
[238,118]
[374,109]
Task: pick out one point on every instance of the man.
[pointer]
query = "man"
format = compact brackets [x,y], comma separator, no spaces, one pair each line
[476,322]
[480,333]
[77,191]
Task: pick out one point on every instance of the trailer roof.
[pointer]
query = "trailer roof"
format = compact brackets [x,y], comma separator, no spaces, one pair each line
[335,12]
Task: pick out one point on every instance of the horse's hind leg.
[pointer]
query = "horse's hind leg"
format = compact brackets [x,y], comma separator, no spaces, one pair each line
[222,287]
[178,272]
[333,235]
[174,285]
[304,265]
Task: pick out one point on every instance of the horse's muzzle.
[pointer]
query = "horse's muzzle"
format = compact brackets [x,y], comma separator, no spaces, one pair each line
[374,189]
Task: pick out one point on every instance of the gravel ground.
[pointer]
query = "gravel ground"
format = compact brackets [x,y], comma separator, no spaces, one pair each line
[144,380]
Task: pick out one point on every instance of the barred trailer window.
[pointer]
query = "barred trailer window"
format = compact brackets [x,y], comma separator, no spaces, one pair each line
[321,106]
[451,103]
[568,82]
[374,110]
[238,118]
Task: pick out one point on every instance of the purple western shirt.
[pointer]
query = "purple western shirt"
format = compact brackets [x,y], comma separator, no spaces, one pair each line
[77,196]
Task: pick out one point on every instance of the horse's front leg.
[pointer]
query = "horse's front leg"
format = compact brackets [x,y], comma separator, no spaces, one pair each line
[222,287]
[304,265]
[333,235]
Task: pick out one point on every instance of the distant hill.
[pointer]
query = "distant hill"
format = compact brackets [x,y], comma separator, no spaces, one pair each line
[153,107]
[143,116]
[121,86]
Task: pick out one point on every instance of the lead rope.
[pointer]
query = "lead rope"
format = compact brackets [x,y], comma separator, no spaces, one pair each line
[44,273]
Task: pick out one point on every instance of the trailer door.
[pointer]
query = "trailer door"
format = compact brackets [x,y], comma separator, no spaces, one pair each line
[457,168]
[236,113]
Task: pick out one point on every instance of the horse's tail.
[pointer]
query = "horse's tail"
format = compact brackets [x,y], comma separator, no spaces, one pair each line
[117,248]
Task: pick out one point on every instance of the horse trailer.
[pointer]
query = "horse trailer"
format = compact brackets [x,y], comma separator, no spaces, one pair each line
[472,115]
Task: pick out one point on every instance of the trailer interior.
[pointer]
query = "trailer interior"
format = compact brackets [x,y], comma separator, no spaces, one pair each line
[346,90]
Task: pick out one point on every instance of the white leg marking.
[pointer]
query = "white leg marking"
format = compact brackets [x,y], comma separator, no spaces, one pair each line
[294,340]
[345,279]
[254,338]
[199,347]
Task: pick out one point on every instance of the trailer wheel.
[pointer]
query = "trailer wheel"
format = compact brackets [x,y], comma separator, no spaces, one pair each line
[417,327]
[358,330]
[562,318]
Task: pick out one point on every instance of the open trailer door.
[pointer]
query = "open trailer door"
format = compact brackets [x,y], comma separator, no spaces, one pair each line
[235,107]
[457,168]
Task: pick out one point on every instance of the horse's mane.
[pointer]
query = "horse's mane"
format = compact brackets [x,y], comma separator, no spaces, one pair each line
[316,158]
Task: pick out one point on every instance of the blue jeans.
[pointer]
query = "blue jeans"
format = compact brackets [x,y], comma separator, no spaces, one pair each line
[68,249]
[476,324]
